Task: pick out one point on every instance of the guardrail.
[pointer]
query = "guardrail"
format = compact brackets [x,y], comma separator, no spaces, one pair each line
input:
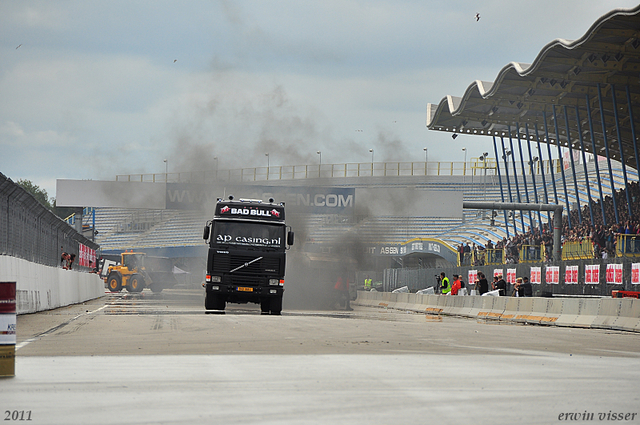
[345,170]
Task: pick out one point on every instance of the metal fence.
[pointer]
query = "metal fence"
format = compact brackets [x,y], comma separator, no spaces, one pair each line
[345,170]
[421,278]
[28,230]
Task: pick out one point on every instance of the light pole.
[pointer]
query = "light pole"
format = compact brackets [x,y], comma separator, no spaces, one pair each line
[464,166]
[320,163]
[166,170]
[483,158]
[267,155]
[425,160]
[371,150]
[215,158]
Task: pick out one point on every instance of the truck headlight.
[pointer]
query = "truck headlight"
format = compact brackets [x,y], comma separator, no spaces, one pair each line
[274,282]
[215,288]
[273,291]
[216,279]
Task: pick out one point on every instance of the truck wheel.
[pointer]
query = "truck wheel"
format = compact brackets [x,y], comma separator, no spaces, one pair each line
[136,283]
[114,282]
[156,288]
[276,305]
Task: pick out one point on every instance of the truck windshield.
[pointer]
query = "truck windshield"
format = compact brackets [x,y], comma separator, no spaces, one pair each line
[248,234]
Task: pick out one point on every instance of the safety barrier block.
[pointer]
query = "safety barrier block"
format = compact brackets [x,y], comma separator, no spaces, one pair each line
[511,309]
[588,312]
[402,301]
[457,304]
[438,305]
[570,312]
[608,312]
[499,306]
[467,306]
[420,304]
[449,305]
[629,318]
[554,309]
[387,300]
[486,308]
[476,305]
[525,309]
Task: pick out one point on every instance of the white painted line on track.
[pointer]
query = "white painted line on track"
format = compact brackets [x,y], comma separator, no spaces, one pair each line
[55,328]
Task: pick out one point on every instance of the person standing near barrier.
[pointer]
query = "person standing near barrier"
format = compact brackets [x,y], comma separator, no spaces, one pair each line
[518,290]
[527,289]
[501,285]
[457,284]
[445,285]
[482,285]
[367,283]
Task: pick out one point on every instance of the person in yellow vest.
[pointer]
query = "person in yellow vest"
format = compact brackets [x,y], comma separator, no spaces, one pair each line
[367,284]
[445,285]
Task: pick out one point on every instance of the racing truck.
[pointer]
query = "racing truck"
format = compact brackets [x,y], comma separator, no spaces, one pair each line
[247,241]
[137,271]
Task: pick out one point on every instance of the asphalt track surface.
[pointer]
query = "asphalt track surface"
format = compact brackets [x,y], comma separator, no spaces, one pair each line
[159,359]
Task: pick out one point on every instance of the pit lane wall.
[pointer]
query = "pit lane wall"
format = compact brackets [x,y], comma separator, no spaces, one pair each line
[606,313]
[40,287]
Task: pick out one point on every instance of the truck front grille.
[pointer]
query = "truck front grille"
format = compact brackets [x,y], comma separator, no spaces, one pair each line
[225,263]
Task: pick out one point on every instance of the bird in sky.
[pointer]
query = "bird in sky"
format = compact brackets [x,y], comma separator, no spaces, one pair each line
[18,46]
[477,17]
[175,60]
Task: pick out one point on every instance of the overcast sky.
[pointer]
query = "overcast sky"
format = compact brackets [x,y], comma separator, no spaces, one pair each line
[92,89]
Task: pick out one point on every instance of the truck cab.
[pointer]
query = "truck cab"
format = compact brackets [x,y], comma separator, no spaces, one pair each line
[247,241]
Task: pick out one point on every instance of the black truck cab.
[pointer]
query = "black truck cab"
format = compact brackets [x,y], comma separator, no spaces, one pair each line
[247,241]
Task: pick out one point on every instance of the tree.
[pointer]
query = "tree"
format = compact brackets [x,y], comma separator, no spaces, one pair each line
[40,194]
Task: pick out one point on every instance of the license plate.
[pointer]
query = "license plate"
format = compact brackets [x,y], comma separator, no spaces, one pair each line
[244,289]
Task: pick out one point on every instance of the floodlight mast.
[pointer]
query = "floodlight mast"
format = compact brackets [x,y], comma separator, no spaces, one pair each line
[557,217]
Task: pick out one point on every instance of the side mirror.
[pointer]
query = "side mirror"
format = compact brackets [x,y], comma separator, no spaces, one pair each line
[205,235]
[290,238]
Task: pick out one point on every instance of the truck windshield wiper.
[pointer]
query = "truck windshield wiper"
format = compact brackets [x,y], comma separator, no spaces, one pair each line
[246,264]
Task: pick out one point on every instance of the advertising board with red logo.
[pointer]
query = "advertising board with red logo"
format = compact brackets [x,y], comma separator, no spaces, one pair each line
[614,274]
[266,212]
[497,272]
[511,276]
[571,275]
[635,273]
[535,275]
[472,275]
[87,256]
[592,274]
[552,275]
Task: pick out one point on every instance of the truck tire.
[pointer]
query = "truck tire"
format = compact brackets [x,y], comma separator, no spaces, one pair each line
[276,305]
[156,288]
[136,283]
[114,282]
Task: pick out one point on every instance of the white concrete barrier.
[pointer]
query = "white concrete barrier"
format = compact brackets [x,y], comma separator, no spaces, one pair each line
[403,300]
[510,309]
[525,310]
[588,312]
[629,318]
[40,287]
[608,313]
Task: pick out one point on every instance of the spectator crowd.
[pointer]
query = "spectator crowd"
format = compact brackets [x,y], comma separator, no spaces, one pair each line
[539,242]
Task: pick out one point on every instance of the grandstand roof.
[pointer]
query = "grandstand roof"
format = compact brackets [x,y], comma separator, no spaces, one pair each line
[606,60]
